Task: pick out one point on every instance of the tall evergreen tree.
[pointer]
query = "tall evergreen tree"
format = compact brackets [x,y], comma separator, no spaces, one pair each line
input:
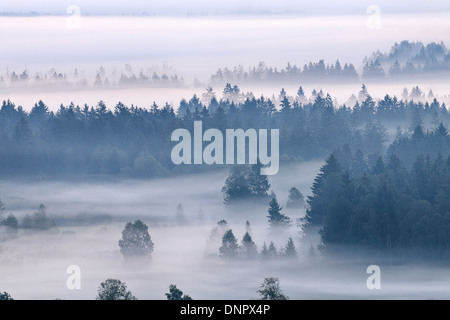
[289,249]
[276,218]
[229,248]
[248,248]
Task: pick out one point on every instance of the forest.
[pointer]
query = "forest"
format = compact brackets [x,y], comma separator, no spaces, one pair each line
[131,141]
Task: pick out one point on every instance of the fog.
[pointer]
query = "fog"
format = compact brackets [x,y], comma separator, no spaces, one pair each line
[196,47]
[192,41]
[144,97]
[34,265]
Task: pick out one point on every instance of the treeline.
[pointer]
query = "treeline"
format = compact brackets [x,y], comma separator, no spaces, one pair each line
[384,206]
[136,142]
[405,59]
[310,72]
[10,225]
[408,59]
[148,77]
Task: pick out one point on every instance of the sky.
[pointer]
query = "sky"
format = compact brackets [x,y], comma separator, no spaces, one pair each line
[182,7]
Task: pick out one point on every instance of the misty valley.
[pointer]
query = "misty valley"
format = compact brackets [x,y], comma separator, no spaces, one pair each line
[96,189]
[224,153]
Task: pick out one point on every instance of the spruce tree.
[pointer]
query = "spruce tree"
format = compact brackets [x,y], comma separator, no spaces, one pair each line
[258,184]
[276,218]
[289,250]
[248,248]
[229,248]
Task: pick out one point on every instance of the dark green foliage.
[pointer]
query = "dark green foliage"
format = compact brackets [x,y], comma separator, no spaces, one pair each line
[245,183]
[176,294]
[114,289]
[408,147]
[388,207]
[236,186]
[135,142]
[136,241]
[229,248]
[5,296]
[325,185]
[276,218]
[270,290]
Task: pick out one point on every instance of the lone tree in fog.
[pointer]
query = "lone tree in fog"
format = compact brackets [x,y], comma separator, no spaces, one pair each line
[180,216]
[275,217]
[229,248]
[136,241]
[114,289]
[5,296]
[176,294]
[295,199]
[289,250]
[270,290]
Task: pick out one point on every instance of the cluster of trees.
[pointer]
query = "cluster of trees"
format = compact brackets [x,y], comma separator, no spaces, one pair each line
[153,77]
[245,183]
[387,206]
[131,141]
[408,58]
[9,226]
[5,296]
[229,248]
[404,59]
[430,142]
[310,72]
[114,289]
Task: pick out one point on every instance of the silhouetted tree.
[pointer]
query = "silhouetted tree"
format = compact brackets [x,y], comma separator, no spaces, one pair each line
[176,294]
[229,248]
[270,290]
[136,241]
[276,218]
[114,289]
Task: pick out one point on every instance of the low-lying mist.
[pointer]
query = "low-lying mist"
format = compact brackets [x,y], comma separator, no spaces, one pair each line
[34,265]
